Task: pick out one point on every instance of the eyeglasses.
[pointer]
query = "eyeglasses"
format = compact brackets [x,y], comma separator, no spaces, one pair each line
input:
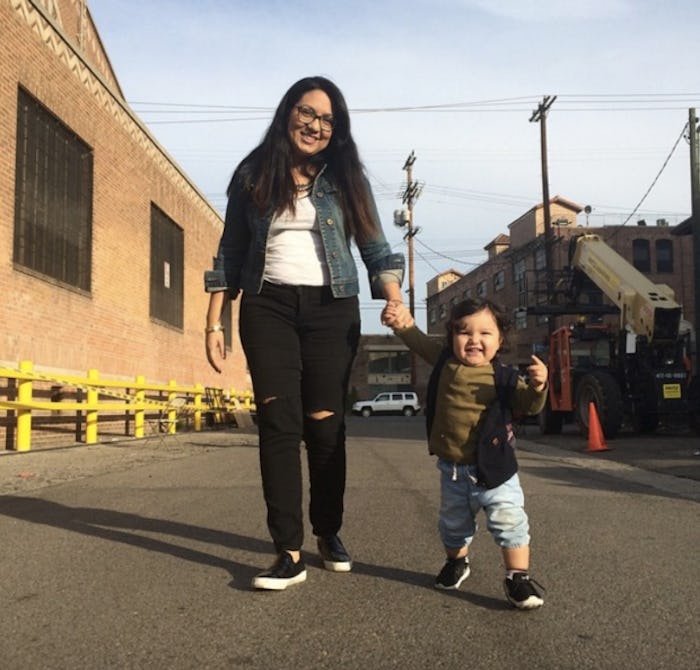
[307,115]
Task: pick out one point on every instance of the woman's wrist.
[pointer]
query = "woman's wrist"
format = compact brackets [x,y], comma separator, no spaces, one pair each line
[214,328]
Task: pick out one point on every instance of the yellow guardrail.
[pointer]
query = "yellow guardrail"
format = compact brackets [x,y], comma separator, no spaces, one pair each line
[132,400]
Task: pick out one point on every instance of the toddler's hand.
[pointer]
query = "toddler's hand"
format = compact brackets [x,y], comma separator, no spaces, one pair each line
[537,373]
[397,316]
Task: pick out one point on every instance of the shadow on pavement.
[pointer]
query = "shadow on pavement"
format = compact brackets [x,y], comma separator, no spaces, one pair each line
[125,528]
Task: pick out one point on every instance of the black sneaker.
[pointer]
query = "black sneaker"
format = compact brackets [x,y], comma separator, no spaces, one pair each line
[522,592]
[282,574]
[453,573]
[334,555]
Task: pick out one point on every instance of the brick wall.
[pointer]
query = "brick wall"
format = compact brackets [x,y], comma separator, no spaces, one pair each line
[108,328]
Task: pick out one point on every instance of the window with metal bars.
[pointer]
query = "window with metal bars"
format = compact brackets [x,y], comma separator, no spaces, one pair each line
[53,197]
[167,269]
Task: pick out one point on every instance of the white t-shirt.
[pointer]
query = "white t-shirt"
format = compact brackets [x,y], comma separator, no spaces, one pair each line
[294,252]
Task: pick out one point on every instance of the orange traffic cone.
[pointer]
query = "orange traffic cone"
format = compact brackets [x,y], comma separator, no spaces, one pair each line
[596,439]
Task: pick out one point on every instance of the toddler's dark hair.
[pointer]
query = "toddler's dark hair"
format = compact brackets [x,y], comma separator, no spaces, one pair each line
[472,306]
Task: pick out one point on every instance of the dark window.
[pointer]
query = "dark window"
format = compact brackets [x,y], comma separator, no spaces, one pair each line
[664,256]
[519,270]
[540,259]
[499,280]
[640,255]
[53,197]
[167,263]
[519,274]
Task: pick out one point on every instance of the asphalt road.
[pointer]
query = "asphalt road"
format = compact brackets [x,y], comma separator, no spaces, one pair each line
[135,555]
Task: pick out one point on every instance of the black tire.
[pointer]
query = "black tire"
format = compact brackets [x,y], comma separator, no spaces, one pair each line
[550,422]
[603,391]
[408,411]
[366,412]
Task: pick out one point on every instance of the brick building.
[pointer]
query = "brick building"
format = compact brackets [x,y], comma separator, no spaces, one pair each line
[513,275]
[383,363]
[104,238]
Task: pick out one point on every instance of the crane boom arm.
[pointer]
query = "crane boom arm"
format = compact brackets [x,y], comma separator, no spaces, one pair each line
[645,308]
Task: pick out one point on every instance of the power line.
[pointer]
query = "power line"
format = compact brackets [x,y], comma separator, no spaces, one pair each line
[663,167]
[615,102]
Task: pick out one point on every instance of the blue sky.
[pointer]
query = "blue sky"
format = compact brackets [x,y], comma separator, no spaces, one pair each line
[454,80]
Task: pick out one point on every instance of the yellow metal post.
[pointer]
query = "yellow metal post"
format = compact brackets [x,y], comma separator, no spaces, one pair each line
[91,414]
[172,414]
[199,390]
[24,416]
[139,413]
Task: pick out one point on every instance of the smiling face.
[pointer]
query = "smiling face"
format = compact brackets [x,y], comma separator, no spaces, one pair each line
[476,338]
[309,137]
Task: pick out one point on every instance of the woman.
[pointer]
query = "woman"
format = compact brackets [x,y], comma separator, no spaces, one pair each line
[294,205]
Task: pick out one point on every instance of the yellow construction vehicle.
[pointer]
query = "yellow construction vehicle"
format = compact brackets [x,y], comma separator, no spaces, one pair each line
[636,371]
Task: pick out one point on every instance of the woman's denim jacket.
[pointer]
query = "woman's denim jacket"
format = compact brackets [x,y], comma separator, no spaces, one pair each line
[240,260]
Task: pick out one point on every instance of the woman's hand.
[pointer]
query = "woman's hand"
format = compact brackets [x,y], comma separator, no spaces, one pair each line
[214,332]
[216,349]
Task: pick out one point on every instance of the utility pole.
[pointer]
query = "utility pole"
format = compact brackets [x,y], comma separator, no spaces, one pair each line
[410,195]
[540,115]
[405,218]
[694,138]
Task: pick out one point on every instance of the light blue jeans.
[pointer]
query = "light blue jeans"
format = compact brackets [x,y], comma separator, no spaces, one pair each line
[462,498]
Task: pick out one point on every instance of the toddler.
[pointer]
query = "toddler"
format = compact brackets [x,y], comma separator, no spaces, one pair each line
[469,406]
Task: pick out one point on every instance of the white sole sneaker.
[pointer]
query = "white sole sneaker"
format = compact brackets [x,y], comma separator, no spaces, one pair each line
[455,586]
[338,566]
[269,583]
[282,574]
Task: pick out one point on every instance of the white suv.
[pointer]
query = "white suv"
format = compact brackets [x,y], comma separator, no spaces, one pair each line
[393,402]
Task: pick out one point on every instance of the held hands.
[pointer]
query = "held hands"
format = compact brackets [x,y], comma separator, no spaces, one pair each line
[537,373]
[397,316]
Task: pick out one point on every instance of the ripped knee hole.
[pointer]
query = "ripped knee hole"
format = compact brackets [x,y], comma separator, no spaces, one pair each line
[320,414]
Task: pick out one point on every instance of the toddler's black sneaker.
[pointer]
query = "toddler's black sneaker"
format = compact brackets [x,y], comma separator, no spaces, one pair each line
[453,573]
[282,574]
[523,592]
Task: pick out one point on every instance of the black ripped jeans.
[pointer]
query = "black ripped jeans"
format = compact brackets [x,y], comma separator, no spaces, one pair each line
[300,343]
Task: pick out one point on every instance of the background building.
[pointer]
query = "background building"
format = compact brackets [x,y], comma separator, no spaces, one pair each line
[383,363]
[104,239]
[514,274]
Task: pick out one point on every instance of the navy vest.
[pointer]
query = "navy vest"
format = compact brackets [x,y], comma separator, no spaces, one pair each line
[495,451]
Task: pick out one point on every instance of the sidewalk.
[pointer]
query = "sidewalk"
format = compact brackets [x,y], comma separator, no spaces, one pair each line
[674,454]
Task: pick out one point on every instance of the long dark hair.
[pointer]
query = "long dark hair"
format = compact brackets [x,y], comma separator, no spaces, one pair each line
[267,169]
[472,306]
